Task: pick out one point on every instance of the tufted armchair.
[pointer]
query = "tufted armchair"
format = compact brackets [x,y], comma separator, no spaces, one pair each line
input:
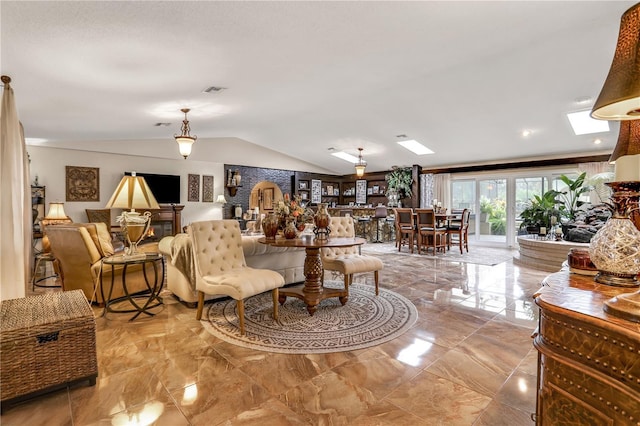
[347,260]
[220,267]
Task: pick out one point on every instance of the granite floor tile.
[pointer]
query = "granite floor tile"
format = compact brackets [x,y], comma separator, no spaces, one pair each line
[468,360]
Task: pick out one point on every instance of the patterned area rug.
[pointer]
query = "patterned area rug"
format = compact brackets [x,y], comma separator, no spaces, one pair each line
[477,255]
[366,320]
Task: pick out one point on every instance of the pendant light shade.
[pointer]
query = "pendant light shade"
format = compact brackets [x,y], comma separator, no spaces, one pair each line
[620,95]
[360,165]
[185,140]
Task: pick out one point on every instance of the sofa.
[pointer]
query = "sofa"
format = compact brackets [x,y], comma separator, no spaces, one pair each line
[79,249]
[178,251]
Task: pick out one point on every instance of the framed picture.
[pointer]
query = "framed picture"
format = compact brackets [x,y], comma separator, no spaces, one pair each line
[82,183]
[336,191]
[267,199]
[376,189]
[207,189]
[316,185]
[361,191]
[302,184]
[303,195]
[193,188]
[329,189]
[369,191]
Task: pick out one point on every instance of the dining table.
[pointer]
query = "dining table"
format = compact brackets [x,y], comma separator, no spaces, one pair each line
[312,292]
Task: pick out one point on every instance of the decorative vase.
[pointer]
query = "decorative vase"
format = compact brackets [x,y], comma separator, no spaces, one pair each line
[270,226]
[322,220]
[615,249]
[290,232]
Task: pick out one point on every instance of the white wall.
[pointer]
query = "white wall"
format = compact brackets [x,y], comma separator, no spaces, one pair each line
[49,165]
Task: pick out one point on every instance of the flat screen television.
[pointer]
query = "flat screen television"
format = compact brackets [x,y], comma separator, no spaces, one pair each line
[166,188]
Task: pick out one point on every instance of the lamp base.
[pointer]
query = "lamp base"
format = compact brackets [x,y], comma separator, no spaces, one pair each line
[616,279]
[625,306]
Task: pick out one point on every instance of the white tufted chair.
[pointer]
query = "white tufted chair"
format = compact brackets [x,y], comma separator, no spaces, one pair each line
[221,267]
[347,260]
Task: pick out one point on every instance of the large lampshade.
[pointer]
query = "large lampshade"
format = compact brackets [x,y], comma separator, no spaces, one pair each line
[620,95]
[133,193]
[628,140]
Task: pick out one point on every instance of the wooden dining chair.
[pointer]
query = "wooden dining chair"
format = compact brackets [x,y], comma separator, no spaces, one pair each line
[430,234]
[405,228]
[458,232]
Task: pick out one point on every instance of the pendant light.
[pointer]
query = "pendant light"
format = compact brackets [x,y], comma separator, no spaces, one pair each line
[185,140]
[360,165]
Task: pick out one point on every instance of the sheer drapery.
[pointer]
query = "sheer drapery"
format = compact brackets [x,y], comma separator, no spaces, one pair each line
[15,201]
[442,189]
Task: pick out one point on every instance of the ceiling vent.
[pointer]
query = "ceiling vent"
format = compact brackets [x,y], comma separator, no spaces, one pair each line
[214,89]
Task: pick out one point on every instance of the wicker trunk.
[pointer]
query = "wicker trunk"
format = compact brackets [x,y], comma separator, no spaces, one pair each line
[46,342]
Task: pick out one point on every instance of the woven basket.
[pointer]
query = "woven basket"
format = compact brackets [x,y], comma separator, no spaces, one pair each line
[46,341]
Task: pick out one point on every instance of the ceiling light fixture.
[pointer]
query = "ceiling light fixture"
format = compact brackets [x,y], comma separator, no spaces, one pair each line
[597,141]
[583,124]
[620,95]
[360,165]
[526,133]
[185,140]
[415,147]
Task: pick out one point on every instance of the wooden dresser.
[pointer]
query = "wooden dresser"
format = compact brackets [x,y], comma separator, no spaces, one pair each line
[588,361]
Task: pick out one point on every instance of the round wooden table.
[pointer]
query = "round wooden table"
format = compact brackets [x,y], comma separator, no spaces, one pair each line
[313,292]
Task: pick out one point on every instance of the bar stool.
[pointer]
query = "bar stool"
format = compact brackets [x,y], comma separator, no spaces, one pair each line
[380,213]
[42,257]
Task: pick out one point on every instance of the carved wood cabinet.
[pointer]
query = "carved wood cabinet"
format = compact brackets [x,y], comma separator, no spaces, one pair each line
[588,361]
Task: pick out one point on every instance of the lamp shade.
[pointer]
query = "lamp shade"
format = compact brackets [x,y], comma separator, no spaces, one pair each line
[628,140]
[221,200]
[133,193]
[620,95]
[56,211]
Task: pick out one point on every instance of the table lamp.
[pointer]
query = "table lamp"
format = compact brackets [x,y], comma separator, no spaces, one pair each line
[133,193]
[55,216]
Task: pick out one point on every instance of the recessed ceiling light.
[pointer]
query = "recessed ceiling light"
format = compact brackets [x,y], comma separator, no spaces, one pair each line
[162,124]
[346,157]
[583,124]
[526,133]
[214,89]
[597,141]
[415,147]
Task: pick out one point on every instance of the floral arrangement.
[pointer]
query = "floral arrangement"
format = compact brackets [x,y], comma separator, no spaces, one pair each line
[293,210]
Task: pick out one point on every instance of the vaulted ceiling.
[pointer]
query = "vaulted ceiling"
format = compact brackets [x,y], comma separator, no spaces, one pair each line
[302,78]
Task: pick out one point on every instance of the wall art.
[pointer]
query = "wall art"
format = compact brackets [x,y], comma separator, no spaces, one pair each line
[82,183]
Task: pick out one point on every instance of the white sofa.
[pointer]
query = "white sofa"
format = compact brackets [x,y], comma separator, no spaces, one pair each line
[288,261]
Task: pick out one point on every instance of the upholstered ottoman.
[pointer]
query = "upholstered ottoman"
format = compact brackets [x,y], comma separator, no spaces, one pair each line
[46,342]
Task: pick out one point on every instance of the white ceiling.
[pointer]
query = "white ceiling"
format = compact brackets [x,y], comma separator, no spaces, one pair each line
[464,78]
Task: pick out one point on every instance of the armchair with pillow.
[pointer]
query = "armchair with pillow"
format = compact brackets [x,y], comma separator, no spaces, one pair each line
[79,249]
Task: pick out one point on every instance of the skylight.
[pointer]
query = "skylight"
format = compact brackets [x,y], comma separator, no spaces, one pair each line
[346,157]
[583,124]
[415,147]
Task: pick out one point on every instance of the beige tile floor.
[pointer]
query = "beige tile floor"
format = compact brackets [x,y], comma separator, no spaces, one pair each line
[468,360]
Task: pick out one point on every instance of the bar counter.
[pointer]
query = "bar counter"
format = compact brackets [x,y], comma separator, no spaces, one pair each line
[365,223]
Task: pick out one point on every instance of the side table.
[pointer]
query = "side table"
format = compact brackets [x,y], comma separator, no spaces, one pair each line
[151,297]
[42,257]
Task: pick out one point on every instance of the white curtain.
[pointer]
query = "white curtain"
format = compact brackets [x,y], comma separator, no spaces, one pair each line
[442,189]
[426,189]
[15,201]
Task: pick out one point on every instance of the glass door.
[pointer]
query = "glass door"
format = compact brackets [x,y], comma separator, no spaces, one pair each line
[492,205]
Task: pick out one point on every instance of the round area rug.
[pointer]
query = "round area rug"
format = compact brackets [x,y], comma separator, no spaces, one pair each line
[366,320]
